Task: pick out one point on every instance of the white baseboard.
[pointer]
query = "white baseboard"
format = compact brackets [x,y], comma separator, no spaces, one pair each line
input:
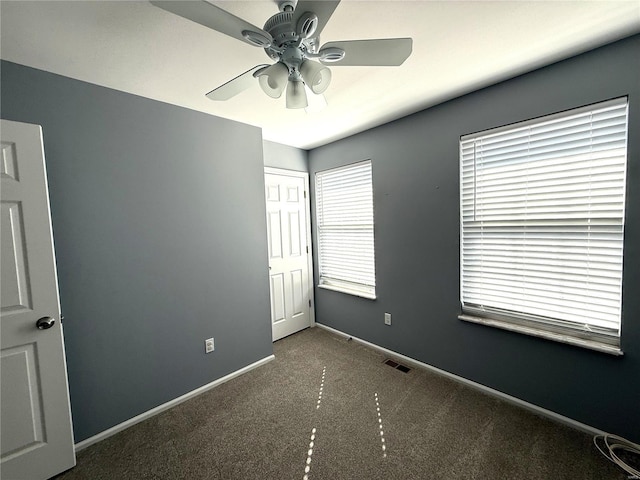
[495,393]
[171,403]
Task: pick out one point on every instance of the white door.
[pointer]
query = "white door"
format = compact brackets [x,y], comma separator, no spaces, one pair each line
[36,436]
[289,251]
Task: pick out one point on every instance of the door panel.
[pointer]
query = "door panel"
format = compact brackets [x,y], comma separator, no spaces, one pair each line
[9,166]
[36,433]
[288,258]
[275,234]
[297,291]
[15,288]
[21,401]
[293,194]
[278,301]
[294,234]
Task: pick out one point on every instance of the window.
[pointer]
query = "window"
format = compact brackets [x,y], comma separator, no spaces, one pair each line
[344,211]
[542,224]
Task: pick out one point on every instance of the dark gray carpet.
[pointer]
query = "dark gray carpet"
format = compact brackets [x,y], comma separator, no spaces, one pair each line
[259,426]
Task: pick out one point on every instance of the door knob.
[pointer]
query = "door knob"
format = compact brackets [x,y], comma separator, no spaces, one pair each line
[45,322]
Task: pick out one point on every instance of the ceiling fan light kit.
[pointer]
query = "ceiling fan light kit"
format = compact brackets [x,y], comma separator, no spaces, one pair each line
[316,76]
[296,96]
[292,38]
[273,79]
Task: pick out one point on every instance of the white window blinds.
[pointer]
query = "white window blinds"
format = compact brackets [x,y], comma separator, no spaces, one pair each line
[344,213]
[542,221]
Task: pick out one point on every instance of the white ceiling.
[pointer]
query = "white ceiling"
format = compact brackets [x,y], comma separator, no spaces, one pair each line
[458,46]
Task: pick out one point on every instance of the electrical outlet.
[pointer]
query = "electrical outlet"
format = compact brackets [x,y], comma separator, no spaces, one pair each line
[209,345]
[387,319]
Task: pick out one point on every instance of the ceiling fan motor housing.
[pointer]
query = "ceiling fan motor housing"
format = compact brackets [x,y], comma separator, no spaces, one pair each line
[285,34]
[280,28]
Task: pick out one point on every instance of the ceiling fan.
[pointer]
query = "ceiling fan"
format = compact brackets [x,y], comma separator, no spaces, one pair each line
[291,38]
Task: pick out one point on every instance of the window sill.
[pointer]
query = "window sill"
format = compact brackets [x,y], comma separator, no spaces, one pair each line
[349,291]
[557,337]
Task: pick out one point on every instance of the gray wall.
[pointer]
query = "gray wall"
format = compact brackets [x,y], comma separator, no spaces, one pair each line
[283,156]
[415,181]
[159,226]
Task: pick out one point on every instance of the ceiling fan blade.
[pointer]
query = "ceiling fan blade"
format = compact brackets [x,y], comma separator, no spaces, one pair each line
[235,86]
[379,52]
[322,8]
[218,19]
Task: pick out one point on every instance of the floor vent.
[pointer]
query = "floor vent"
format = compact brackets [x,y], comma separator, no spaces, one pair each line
[397,366]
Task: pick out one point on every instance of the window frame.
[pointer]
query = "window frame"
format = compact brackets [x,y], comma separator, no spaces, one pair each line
[334,283]
[536,325]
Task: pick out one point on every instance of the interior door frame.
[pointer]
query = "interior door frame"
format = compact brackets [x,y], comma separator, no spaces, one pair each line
[307,206]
